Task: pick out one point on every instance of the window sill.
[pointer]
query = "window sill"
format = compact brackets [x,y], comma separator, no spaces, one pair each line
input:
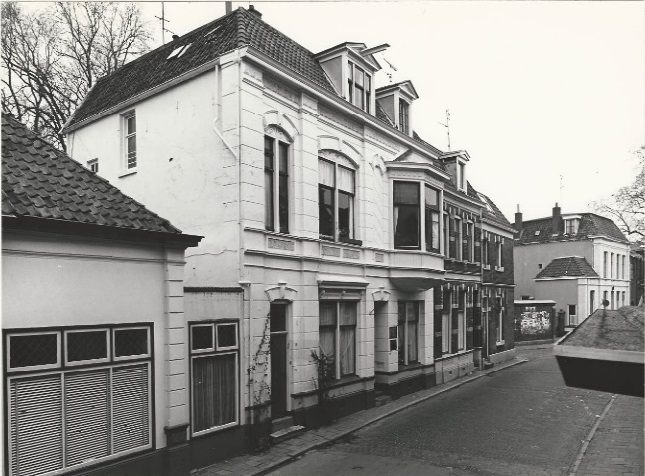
[501,342]
[499,268]
[487,266]
[128,172]
[350,241]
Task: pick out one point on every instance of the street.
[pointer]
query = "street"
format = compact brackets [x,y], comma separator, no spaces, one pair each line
[519,421]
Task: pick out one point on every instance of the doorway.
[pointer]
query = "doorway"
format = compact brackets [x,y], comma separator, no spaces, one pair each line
[278,317]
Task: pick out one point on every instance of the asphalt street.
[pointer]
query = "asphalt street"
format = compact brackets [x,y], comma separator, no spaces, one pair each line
[519,421]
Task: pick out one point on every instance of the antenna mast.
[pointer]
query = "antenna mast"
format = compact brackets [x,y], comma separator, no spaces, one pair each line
[163,20]
[447,126]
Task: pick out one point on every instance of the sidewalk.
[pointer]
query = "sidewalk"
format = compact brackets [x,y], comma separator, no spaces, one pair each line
[278,455]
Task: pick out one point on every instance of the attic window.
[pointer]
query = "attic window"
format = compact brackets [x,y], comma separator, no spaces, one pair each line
[210,33]
[571,226]
[537,232]
[180,50]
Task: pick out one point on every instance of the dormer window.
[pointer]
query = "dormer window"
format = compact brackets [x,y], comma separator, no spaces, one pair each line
[359,87]
[404,116]
[571,226]
[462,175]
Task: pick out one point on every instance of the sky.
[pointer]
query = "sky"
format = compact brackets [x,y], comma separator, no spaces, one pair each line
[548,98]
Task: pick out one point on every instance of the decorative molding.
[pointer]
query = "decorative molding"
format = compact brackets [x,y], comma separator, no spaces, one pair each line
[281,244]
[309,103]
[352,254]
[373,135]
[281,90]
[381,294]
[379,257]
[330,251]
[276,132]
[416,175]
[340,159]
[339,119]
[281,292]
[253,72]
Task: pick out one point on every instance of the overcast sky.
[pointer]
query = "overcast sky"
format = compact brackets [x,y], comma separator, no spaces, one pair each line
[536,90]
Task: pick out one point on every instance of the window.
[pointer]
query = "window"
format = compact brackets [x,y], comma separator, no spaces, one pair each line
[408,332]
[624,296]
[461,321]
[623,267]
[468,242]
[459,238]
[592,301]
[336,185]
[611,266]
[499,254]
[604,265]
[130,137]
[605,302]
[406,215]
[573,319]
[404,116]
[179,51]
[539,265]
[446,328]
[446,235]
[432,219]
[571,226]
[93,165]
[63,414]
[612,300]
[359,87]
[276,184]
[337,330]
[462,176]
[485,260]
[214,351]
[499,319]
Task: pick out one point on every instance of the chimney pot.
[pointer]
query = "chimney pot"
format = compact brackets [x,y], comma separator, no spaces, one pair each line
[254,11]
[175,37]
[518,219]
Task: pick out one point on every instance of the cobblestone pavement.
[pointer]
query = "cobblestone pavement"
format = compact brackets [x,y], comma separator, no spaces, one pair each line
[520,421]
[616,448]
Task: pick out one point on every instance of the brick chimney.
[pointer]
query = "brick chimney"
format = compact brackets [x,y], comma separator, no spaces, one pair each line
[556,221]
[518,219]
[254,11]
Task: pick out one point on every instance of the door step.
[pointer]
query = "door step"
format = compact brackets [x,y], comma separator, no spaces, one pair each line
[286,434]
[382,398]
[281,423]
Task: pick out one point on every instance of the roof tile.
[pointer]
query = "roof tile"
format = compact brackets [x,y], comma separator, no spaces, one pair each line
[541,230]
[570,266]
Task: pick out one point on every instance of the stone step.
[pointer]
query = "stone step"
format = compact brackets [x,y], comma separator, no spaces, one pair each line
[286,434]
[281,423]
[382,399]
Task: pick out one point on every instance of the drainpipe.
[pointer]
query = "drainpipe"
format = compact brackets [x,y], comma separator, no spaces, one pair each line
[247,286]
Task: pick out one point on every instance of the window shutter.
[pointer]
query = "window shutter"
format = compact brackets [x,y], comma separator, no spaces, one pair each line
[87,418]
[36,425]
[130,408]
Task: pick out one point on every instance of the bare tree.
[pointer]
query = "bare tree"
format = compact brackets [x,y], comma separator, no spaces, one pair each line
[627,205]
[53,56]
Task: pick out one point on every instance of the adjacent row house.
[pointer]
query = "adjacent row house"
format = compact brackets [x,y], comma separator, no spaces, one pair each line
[348,239]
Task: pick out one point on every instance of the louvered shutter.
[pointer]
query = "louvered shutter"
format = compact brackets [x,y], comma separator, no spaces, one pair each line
[36,425]
[130,407]
[87,416]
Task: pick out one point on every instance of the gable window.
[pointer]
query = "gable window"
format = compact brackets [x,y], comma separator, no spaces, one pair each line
[337,334]
[404,116]
[432,219]
[406,215]
[130,140]
[359,87]
[336,187]
[214,375]
[74,403]
[276,185]
[408,332]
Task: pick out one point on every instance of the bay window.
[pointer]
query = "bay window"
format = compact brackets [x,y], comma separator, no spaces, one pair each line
[214,375]
[336,189]
[276,185]
[432,219]
[408,332]
[337,335]
[81,396]
[406,215]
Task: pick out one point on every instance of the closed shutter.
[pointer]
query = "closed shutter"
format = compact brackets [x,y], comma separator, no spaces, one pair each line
[87,416]
[36,425]
[130,407]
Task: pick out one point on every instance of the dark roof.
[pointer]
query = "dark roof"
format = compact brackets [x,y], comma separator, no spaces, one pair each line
[621,329]
[382,116]
[495,215]
[567,267]
[39,181]
[590,225]
[237,29]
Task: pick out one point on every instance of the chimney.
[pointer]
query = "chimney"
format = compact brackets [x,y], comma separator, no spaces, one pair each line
[518,219]
[254,11]
[556,221]
[229,7]
[175,37]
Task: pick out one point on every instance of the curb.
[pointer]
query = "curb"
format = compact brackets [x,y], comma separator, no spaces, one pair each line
[292,456]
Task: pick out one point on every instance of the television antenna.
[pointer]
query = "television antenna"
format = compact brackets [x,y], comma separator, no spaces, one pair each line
[163,20]
[392,68]
[447,126]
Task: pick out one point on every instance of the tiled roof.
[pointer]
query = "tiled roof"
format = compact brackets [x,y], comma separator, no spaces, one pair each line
[570,266]
[382,116]
[496,216]
[621,329]
[590,225]
[39,181]
[237,29]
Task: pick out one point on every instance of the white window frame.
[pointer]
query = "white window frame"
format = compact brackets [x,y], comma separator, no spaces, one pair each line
[460,239]
[214,351]
[572,318]
[461,321]
[126,152]
[353,90]
[500,320]
[611,266]
[337,370]
[462,184]
[34,367]
[336,192]
[605,262]
[571,226]
[230,347]
[404,113]
[93,165]
[484,251]
[405,340]
[129,357]
[499,262]
[108,346]
[280,138]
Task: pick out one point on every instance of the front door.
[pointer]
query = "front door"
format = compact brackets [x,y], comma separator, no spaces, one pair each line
[278,360]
